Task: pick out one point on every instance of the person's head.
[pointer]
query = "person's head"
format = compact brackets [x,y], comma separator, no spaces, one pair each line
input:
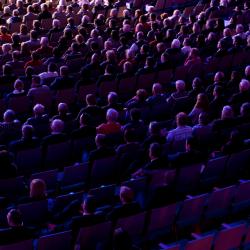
[112,98]
[84,119]
[38,189]
[52,67]
[38,110]
[110,55]
[18,85]
[154,128]
[94,58]
[180,85]
[63,108]
[227,32]
[56,23]
[33,35]
[126,195]
[14,218]
[176,44]
[227,112]
[112,115]
[9,116]
[129,135]
[157,89]
[244,85]
[57,126]
[235,136]
[100,140]
[35,56]
[6,48]
[141,94]
[247,71]
[219,76]
[127,67]
[154,151]
[197,83]
[203,118]
[27,131]
[64,71]
[218,91]
[245,109]
[89,205]
[202,102]
[15,13]
[90,100]
[181,119]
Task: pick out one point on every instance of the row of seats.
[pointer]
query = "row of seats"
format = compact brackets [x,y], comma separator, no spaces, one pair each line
[159,221]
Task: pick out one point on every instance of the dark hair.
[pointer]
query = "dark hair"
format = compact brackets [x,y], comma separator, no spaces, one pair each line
[155,149]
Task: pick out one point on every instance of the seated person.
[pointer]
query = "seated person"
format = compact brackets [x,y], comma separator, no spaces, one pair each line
[156,160]
[127,205]
[27,141]
[37,191]
[190,156]
[56,135]
[16,230]
[102,151]
[112,126]
[40,121]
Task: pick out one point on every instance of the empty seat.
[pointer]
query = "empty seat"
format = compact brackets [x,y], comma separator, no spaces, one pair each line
[65,95]
[241,200]
[229,238]
[58,241]
[35,213]
[191,211]
[24,245]
[90,237]
[104,195]
[219,202]
[57,155]
[133,224]
[75,177]
[188,178]
[161,220]
[27,164]
[204,243]
[104,171]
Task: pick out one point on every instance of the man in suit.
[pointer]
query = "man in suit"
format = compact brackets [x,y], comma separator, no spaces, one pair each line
[56,135]
[16,231]
[102,150]
[27,140]
[127,205]
[64,81]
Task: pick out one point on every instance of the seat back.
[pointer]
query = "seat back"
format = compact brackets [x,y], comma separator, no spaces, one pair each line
[146,81]
[219,202]
[50,178]
[104,195]
[229,238]
[191,210]
[127,86]
[58,241]
[57,155]
[27,164]
[213,171]
[133,224]
[44,98]
[34,213]
[106,87]
[188,178]
[65,95]
[204,243]
[236,164]
[85,90]
[90,237]
[75,174]
[12,188]
[162,218]
[20,104]
[104,171]
[24,245]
